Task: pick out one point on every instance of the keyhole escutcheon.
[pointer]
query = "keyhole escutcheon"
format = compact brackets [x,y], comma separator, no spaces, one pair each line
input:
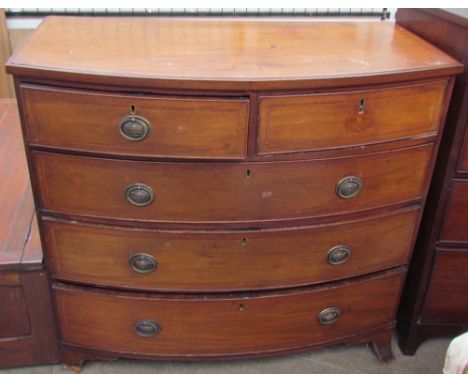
[362,106]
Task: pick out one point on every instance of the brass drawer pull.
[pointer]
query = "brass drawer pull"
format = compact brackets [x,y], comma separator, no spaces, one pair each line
[143,263]
[329,316]
[349,187]
[146,328]
[338,255]
[139,194]
[134,128]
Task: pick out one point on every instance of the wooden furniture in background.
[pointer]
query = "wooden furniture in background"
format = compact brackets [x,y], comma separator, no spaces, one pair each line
[227,188]
[6,83]
[27,328]
[10,39]
[435,300]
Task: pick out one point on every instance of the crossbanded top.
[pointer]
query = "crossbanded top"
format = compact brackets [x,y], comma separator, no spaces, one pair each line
[213,53]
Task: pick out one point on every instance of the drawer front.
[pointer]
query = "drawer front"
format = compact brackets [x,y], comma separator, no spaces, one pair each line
[200,325]
[228,261]
[168,127]
[446,299]
[463,161]
[203,192]
[455,224]
[336,120]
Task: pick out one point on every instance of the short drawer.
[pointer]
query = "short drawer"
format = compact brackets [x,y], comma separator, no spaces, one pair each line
[446,299]
[320,121]
[455,224]
[224,325]
[228,192]
[227,261]
[125,124]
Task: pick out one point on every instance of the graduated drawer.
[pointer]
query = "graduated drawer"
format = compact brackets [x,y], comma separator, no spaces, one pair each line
[224,325]
[228,260]
[292,123]
[228,192]
[446,299]
[130,124]
[455,223]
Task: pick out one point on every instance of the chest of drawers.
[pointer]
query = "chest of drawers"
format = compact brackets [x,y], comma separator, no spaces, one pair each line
[435,300]
[227,188]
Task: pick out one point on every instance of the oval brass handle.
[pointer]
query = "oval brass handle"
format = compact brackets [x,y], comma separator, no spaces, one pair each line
[338,254]
[139,194]
[349,187]
[134,128]
[143,263]
[146,328]
[329,316]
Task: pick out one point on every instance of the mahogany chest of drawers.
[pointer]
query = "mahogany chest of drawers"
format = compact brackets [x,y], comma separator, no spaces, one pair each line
[227,188]
[435,300]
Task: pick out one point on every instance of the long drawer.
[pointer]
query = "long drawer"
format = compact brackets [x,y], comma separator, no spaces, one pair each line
[223,325]
[292,123]
[229,192]
[227,261]
[113,123]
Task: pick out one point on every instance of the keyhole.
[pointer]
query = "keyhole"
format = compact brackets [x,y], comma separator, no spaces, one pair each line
[244,241]
[241,307]
[132,109]
[248,173]
[362,105]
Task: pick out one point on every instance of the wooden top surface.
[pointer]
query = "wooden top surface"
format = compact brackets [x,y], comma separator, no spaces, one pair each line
[19,237]
[210,53]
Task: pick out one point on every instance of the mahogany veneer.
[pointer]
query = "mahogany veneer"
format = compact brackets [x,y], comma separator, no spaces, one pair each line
[222,192]
[228,188]
[265,259]
[182,126]
[228,325]
[329,120]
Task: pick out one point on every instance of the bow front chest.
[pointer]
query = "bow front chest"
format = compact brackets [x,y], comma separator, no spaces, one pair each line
[227,188]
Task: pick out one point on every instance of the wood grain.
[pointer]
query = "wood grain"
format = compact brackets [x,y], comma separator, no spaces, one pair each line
[185,127]
[224,325]
[446,294]
[203,53]
[335,120]
[198,192]
[14,313]
[27,328]
[238,223]
[455,226]
[16,203]
[226,261]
